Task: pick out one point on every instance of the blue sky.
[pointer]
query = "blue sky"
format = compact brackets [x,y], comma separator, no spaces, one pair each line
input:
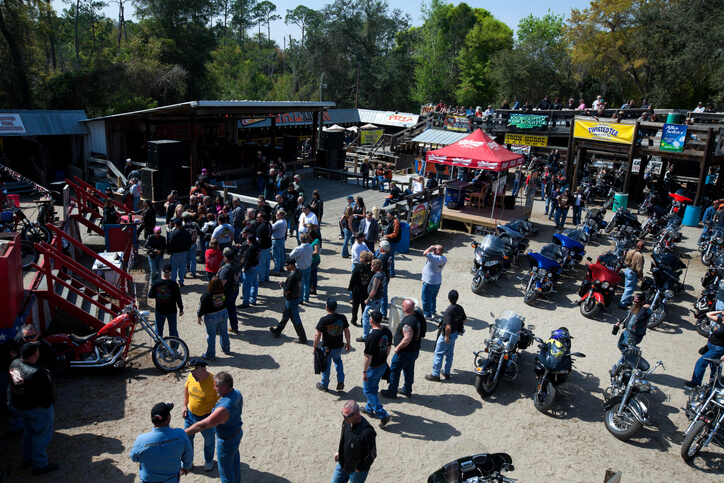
[509,13]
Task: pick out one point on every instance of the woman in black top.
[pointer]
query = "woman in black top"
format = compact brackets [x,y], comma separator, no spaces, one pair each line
[148,219]
[317,205]
[358,213]
[361,276]
[110,216]
[212,307]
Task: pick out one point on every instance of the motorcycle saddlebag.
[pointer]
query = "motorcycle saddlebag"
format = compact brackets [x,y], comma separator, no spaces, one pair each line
[525,339]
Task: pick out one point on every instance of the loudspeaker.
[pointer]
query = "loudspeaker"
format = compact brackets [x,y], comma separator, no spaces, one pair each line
[509,202]
[158,192]
[333,140]
[290,149]
[165,154]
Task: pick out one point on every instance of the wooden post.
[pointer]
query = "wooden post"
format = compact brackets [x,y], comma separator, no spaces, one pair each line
[569,162]
[193,148]
[315,123]
[631,151]
[577,164]
[704,165]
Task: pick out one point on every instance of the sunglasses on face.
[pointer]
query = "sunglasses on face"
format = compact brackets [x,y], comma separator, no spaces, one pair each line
[30,336]
[349,415]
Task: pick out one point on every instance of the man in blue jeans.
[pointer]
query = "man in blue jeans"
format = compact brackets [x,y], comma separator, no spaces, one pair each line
[357,447]
[303,257]
[714,350]
[178,246]
[407,339]
[31,395]
[168,296]
[250,255]
[199,400]
[226,418]
[292,289]
[452,325]
[432,279]
[377,348]
[330,330]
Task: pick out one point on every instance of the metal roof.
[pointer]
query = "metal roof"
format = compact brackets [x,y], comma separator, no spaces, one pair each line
[437,136]
[220,109]
[44,123]
[388,118]
[332,116]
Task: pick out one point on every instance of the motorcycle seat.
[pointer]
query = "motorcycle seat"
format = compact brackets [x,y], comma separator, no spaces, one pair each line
[631,359]
[80,340]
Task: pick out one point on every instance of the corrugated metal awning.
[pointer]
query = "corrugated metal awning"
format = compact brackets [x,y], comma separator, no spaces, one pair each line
[42,123]
[437,136]
[333,116]
[388,118]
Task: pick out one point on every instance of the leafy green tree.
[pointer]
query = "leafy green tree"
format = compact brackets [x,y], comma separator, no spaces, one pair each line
[300,16]
[264,13]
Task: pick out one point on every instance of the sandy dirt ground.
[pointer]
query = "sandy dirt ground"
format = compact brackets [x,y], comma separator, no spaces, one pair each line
[291,429]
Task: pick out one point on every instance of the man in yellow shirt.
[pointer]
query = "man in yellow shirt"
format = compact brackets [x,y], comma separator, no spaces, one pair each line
[199,400]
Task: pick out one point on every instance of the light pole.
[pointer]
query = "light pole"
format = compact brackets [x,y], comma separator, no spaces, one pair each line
[322,86]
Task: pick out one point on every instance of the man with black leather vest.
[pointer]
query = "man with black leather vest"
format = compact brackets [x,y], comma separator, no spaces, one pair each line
[292,288]
[32,394]
[407,341]
[357,446]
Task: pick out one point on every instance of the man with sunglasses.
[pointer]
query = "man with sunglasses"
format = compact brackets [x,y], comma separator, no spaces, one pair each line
[357,447]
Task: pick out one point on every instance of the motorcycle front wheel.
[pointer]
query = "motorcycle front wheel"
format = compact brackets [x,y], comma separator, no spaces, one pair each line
[624,426]
[703,326]
[657,318]
[28,254]
[544,396]
[486,384]
[478,283]
[36,233]
[169,361]
[589,307]
[530,297]
[610,226]
[707,257]
[694,440]
[63,356]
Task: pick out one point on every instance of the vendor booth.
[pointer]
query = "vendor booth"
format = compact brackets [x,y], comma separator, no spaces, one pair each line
[483,204]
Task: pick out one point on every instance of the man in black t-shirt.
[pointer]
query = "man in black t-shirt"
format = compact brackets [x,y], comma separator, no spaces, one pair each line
[330,330]
[452,325]
[168,295]
[230,274]
[407,341]
[377,348]
[375,294]
[292,288]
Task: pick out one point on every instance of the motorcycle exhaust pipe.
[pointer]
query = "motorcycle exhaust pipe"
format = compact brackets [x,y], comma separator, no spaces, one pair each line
[95,363]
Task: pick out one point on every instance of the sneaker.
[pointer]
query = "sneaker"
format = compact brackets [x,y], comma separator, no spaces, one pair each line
[430,377]
[690,385]
[320,387]
[340,386]
[228,353]
[46,469]
[368,413]
[446,376]
[209,466]
[388,394]
[275,332]
[361,339]
[385,420]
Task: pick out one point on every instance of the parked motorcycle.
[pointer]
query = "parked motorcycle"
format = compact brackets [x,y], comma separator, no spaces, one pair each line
[109,346]
[525,227]
[623,218]
[710,245]
[477,468]
[593,223]
[597,289]
[507,336]
[679,202]
[545,268]
[31,231]
[626,409]
[490,256]
[705,410]
[659,289]
[669,236]
[553,365]
[515,241]
[573,250]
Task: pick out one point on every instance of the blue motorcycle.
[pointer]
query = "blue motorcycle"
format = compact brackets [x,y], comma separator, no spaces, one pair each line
[545,269]
[573,250]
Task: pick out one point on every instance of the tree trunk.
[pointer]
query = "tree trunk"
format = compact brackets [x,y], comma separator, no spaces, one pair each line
[51,36]
[17,56]
[77,15]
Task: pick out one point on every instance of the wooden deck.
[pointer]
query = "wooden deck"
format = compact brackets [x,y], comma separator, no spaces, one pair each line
[471,216]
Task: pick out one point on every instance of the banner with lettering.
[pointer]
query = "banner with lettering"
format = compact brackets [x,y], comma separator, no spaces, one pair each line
[457,123]
[370,136]
[673,137]
[611,132]
[435,214]
[418,220]
[526,139]
[11,123]
[527,121]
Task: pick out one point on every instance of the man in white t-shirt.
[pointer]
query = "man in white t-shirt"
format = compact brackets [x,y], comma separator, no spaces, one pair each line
[699,107]
[307,220]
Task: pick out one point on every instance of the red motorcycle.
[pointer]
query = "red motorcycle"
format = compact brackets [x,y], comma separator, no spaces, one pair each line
[679,203]
[597,289]
[109,346]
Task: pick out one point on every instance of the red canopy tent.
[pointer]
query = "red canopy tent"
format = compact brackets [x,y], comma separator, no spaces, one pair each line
[477,151]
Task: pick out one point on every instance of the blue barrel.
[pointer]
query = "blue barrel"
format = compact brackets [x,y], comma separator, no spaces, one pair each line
[620,201]
[102,185]
[404,245]
[711,179]
[692,215]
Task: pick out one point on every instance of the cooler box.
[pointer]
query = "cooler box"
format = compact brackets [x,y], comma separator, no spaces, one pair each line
[455,191]
[620,201]
[404,245]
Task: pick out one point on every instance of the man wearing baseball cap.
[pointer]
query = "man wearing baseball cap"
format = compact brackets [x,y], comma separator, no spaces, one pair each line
[199,400]
[164,453]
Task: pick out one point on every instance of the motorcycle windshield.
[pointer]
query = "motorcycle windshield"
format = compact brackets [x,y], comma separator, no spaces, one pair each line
[510,231]
[568,243]
[508,324]
[578,235]
[553,355]
[668,261]
[492,246]
[604,274]
[540,260]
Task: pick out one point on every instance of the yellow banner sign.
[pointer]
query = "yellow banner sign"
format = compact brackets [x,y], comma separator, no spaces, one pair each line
[611,132]
[368,136]
[526,139]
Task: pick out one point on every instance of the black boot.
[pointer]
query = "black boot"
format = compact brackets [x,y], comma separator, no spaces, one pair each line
[277,331]
[301,334]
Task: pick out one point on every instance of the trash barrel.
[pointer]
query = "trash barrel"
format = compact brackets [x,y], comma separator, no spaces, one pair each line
[620,201]
[675,118]
[404,245]
[692,215]
[710,179]
[102,185]
[394,311]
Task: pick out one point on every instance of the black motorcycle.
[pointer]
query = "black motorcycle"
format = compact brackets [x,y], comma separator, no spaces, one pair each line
[508,335]
[490,256]
[623,219]
[478,468]
[553,366]
[705,411]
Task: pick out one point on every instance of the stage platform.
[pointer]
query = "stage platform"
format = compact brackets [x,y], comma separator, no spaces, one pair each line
[471,216]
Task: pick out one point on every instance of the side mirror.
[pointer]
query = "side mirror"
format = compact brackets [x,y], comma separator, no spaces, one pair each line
[578,354]
[538,339]
[474,245]
[589,259]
